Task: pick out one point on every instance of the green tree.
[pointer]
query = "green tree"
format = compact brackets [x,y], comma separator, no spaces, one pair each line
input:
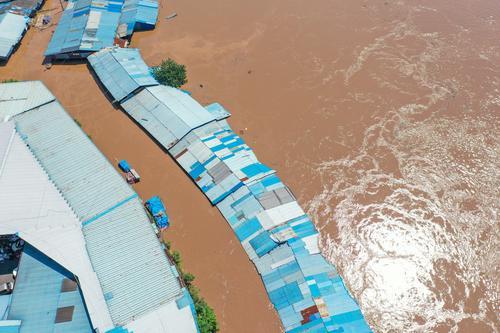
[206,317]
[207,321]
[170,73]
[9,81]
[188,278]
[176,257]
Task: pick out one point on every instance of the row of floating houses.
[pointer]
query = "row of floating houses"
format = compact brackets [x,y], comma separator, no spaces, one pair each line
[275,232]
[86,26]
[92,261]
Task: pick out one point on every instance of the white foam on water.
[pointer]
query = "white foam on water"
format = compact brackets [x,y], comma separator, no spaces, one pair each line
[401,238]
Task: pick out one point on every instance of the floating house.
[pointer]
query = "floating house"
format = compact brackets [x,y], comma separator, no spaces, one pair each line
[87,26]
[12,29]
[275,232]
[83,224]
[121,71]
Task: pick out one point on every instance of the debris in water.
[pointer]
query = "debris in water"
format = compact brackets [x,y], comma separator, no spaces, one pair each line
[171,16]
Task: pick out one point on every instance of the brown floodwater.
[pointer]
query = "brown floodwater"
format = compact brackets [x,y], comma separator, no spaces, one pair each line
[382,116]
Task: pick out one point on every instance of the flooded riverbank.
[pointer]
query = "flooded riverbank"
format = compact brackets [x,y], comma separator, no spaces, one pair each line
[383,118]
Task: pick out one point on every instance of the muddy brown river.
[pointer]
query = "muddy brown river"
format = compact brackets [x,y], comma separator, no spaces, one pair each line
[382,116]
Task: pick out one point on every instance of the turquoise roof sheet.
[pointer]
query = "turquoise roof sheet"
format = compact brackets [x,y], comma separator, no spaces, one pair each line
[38,295]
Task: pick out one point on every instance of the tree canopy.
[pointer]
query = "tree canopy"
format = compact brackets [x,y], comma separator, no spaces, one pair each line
[170,73]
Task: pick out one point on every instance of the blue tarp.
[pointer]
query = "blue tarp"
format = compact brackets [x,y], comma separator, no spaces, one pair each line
[157,209]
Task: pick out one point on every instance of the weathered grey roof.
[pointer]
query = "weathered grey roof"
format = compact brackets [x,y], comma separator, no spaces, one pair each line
[121,71]
[167,113]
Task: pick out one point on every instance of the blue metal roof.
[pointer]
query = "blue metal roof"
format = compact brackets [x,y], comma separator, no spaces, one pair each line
[121,71]
[135,275]
[137,15]
[37,296]
[305,289]
[12,28]
[217,160]
[10,326]
[127,19]
[86,26]
[147,12]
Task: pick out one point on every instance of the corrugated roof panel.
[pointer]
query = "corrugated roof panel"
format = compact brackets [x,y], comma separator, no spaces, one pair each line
[80,173]
[44,219]
[218,111]
[121,71]
[122,246]
[130,274]
[147,12]
[86,26]
[127,19]
[12,28]
[19,97]
[166,113]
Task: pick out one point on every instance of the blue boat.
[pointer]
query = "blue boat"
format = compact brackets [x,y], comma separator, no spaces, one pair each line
[157,209]
[124,166]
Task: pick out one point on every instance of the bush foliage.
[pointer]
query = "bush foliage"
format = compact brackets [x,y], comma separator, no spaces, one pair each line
[207,321]
[170,73]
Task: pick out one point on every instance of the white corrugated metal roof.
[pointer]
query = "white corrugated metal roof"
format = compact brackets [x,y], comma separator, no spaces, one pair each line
[31,206]
[19,97]
[12,27]
[131,267]
[182,105]
[166,319]
[167,113]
